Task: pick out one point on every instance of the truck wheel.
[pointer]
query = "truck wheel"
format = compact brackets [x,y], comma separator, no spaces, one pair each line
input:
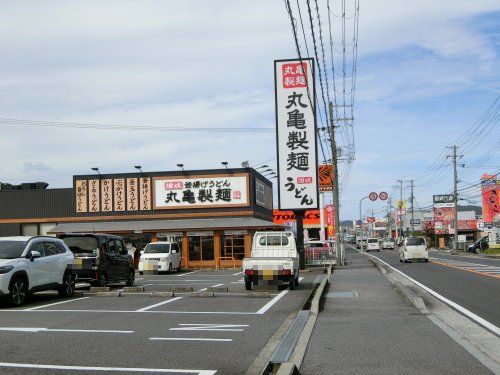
[248,285]
[297,281]
[292,284]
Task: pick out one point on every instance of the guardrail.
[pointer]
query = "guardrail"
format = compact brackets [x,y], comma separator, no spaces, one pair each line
[218,259]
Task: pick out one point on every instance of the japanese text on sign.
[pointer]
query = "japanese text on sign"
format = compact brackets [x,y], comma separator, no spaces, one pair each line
[296,128]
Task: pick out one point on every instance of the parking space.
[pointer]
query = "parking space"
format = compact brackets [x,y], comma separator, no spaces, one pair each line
[145,334]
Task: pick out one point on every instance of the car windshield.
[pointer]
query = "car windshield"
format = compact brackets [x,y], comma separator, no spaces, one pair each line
[155,248]
[389,240]
[372,240]
[412,241]
[11,249]
[81,244]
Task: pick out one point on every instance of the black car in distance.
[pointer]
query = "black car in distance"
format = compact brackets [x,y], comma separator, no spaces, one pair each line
[100,259]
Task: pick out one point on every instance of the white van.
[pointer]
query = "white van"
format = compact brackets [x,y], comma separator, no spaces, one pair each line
[372,244]
[413,248]
[160,256]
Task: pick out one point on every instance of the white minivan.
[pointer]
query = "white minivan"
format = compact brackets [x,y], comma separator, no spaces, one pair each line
[413,248]
[161,256]
[372,244]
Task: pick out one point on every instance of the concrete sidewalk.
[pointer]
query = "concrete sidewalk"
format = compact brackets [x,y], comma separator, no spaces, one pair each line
[367,327]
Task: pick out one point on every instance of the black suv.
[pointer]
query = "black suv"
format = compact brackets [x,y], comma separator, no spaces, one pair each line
[100,259]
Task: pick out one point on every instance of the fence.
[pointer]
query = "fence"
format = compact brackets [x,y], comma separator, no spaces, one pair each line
[319,256]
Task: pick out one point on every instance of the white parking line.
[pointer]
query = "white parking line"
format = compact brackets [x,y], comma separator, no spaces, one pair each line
[237,273]
[133,311]
[158,304]
[270,304]
[56,303]
[188,339]
[36,330]
[211,327]
[188,273]
[118,369]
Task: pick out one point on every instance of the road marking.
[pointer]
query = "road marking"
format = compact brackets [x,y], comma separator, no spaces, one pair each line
[493,328]
[188,339]
[270,304]
[483,270]
[35,330]
[211,327]
[187,273]
[158,304]
[56,303]
[237,273]
[136,312]
[119,369]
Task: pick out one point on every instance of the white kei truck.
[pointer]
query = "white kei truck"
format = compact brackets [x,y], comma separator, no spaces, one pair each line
[274,259]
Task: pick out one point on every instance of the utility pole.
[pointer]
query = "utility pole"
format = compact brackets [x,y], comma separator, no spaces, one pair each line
[411,200]
[389,223]
[454,156]
[401,205]
[373,224]
[336,201]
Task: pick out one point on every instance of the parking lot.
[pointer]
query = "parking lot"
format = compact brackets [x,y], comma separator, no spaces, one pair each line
[141,333]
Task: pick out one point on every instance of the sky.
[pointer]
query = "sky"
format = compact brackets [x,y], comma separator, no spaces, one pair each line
[426,73]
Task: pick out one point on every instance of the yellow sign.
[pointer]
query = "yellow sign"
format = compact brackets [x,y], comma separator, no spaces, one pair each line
[400,204]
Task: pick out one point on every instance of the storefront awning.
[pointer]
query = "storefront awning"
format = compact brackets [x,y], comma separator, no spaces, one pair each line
[164,225]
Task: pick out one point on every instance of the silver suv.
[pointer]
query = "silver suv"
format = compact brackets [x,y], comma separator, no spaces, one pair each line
[32,264]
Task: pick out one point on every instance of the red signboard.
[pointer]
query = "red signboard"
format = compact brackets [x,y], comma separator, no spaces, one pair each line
[294,75]
[491,198]
[311,217]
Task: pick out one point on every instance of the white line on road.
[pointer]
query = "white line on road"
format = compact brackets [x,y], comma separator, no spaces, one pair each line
[187,273]
[211,327]
[56,303]
[118,369]
[133,311]
[493,328]
[188,339]
[237,273]
[158,304]
[35,330]
[270,304]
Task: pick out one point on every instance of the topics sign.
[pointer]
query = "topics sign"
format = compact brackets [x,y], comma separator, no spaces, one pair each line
[383,196]
[373,196]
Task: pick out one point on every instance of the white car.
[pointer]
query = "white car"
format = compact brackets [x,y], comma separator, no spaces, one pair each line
[162,256]
[32,264]
[413,248]
[388,243]
[372,244]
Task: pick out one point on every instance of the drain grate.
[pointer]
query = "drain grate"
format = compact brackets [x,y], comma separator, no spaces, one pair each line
[342,294]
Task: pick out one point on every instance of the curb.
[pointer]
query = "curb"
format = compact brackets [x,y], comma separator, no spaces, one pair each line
[161,294]
[202,294]
[97,289]
[253,294]
[109,294]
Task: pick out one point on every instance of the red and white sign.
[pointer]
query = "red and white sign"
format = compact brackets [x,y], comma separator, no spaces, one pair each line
[370,219]
[383,196]
[373,196]
[296,134]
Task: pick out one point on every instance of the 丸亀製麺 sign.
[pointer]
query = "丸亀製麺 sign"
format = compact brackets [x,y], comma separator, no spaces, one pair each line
[201,191]
[296,134]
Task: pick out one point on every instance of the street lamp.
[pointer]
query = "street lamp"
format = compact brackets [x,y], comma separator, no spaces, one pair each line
[224,163]
[96,170]
[181,166]
[138,167]
[360,217]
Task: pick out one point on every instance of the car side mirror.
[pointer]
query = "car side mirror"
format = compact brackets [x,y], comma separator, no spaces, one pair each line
[34,254]
[174,251]
[142,252]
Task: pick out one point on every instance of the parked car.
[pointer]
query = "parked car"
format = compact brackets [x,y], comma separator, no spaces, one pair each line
[100,259]
[361,243]
[479,246]
[32,264]
[372,244]
[388,243]
[274,257]
[160,256]
[413,248]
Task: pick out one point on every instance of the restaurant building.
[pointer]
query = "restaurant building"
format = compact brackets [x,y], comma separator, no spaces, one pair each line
[211,213]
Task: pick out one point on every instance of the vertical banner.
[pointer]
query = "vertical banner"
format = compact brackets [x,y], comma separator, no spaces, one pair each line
[132,195]
[81,195]
[107,195]
[119,194]
[330,220]
[444,213]
[94,196]
[296,134]
[145,194]
[491,198]
[325,176]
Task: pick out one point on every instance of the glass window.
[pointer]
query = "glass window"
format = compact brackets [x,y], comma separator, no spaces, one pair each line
[153,248]
[51,249]
[414,241]
[119,246]
[81,244]
[273,240]
[194,248]
[207,248]
[111,246]
[233,246]
[29,229]
[61,248]
[372,240]
[45,227]
[11,249]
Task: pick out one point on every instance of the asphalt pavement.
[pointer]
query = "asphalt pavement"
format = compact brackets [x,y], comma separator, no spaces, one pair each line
[367,327]
[471,286]
[137,333]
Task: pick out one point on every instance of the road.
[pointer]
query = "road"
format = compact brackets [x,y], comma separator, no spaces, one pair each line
[473,283]
[174,335]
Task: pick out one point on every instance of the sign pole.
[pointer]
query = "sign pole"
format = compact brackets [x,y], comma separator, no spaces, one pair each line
[300,238]
[321,217]
[336,200]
